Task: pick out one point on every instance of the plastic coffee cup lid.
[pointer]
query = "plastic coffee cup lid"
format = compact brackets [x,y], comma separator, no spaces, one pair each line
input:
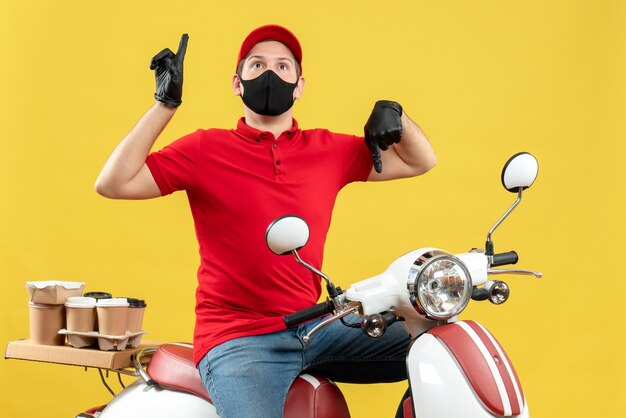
[136,303]
[112,302]
[98,295]
[80,302]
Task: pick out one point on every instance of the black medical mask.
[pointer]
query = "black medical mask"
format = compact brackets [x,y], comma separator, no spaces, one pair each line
[268,94]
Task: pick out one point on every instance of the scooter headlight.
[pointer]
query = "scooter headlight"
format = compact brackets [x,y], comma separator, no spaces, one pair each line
[440,285]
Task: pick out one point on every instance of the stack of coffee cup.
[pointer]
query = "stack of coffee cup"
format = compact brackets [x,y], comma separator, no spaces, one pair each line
[47,310]
[54,315]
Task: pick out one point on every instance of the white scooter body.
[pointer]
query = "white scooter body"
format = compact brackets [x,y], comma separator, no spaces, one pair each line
[441,387]
[439,381]
[389,289]
[139,400]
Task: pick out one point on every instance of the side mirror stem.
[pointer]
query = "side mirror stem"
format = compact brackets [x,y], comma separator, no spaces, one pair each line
[489,244]
[310,267]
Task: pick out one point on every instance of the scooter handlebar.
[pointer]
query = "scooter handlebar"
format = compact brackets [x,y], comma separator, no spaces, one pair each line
[504,259]
[307,314]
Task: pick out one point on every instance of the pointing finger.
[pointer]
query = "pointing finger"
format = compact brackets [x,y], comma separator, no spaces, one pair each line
[182,48]
[378,163]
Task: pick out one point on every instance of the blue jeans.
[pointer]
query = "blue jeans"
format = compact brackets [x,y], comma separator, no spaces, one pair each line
[249,377]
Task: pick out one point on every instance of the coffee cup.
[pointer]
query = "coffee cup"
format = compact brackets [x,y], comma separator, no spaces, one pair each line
[97,296]
[80,313]
[136,310]
[112,316]
[45,323]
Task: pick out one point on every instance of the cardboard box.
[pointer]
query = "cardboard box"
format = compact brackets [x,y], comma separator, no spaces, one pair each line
[86,357]
[53,292]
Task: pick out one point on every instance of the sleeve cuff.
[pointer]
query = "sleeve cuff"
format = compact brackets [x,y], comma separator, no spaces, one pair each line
[157,175]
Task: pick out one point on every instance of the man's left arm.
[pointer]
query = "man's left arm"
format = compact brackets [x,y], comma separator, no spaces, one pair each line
[398,145]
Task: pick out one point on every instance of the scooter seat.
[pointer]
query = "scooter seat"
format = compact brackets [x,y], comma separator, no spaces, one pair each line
[172,366]
[310,396]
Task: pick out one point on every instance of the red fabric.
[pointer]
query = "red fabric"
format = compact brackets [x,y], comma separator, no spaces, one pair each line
[275,33]
[238,182]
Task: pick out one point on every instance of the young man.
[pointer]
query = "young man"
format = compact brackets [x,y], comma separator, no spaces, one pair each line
[237,182]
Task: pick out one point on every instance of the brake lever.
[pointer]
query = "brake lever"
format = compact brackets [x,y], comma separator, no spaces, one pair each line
[537,274]
[347,310]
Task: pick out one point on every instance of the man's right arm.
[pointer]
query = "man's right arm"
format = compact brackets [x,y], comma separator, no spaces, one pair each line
[125,174]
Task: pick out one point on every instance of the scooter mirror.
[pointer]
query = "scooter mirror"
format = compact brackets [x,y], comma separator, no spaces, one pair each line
[286,234]
[519,172]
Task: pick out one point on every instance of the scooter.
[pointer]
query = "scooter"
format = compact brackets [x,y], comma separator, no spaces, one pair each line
[456,368]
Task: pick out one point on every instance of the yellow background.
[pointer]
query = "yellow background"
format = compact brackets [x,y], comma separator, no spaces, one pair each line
[484,79]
